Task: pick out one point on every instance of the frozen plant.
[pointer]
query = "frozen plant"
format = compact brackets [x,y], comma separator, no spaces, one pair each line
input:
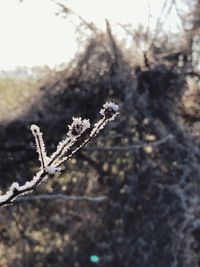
[53,164]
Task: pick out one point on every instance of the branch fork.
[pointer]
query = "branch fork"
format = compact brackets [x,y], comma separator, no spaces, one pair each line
[53,164]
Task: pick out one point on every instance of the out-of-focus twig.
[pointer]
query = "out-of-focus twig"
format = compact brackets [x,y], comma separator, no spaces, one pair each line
[131,147]
[62,197]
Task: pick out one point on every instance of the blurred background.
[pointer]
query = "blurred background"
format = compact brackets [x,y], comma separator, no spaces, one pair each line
[60,59]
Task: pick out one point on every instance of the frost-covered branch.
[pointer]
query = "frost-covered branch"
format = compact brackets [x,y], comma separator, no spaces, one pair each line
[40,146]
[53,164]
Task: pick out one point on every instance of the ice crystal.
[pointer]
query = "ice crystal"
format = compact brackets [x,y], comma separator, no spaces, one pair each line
[78,127]
[109,110]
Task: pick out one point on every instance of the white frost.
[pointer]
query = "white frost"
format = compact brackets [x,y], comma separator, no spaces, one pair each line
[53,170]
[50,165]
[97,127]
[79,125]
[39,144]
[113,107]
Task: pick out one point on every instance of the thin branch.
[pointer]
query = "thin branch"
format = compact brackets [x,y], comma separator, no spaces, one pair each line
[94,132]
[131,147]
[160,21]
[16,190]
[61,197]
[76,129]
[40,146]
[193,74]
[50,166]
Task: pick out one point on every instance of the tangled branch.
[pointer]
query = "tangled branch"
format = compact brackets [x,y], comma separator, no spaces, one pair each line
[53,164]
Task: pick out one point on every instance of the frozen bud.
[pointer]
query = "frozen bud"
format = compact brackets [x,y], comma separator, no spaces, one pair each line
[35,129]
[78,126]
[109,110]
[77,129]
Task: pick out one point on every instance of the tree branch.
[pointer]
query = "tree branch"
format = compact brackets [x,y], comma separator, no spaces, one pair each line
[61,197]
[51,165]
[131,147]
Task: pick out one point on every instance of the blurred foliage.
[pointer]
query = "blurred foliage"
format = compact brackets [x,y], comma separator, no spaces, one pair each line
[14,93]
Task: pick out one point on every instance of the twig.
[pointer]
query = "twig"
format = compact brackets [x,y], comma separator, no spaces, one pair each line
[92,135]
[51,165]
[160,22]
[193,74]
[131,147]
[60,197]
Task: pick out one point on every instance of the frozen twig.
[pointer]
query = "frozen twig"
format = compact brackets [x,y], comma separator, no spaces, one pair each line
[52,165]
[40,146]
[108,112]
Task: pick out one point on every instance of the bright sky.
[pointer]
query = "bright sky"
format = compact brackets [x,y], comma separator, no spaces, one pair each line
[31,33]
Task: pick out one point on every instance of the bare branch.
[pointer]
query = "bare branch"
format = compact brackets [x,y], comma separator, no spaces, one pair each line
[131,147]
[61,197]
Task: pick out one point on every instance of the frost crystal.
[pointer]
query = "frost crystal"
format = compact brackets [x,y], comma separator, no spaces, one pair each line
[39,145]
[62,148]
[97,127]
[78,126]
[53,170]
[109,110]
